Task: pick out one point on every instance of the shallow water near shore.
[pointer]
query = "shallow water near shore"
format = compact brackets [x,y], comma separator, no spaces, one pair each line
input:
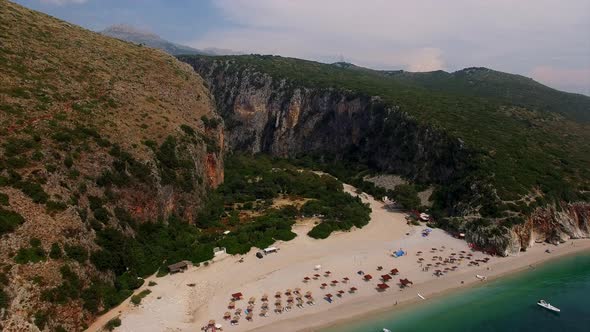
[506,304]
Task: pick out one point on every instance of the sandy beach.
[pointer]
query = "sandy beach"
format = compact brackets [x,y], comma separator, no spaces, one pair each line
[188,301]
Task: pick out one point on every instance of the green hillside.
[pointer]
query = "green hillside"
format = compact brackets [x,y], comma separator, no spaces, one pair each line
[528,144]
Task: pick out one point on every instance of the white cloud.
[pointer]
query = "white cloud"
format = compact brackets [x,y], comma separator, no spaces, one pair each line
[63,2]
[414,35]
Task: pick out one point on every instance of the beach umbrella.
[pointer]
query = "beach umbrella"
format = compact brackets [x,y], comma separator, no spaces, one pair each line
[250,308]
[297,290]
[453,254]
[308,294]
[328,295]
[227,315]
[232,305]
[278,302]
[334,282]
[238,311]
[341,292]
[265,306]
[345,279]
[306,279]
[316,275]
[264,297]
[236,318]
[212,322]
[288,291]
[360,272]
[368,277]
[252,300]
[353,289]
[290,299]
[382,286]
[249,315]
[394,271]
[379,268]
[420,259]
[324,285]
[278,294]
[218,326]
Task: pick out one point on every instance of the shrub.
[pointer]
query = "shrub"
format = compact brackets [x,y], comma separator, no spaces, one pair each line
[3,199]
[32,254]
[76,252]
[101,214]
[41,319]
[68,161]
[111,324]
[136,299]
[54,206]
[55,252]
[3,299]
[187,129]
[152,283]
[321,231]
[34,191]
[9,221]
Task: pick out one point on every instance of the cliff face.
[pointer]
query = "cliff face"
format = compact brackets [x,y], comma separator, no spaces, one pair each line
[284,119]
[551,225]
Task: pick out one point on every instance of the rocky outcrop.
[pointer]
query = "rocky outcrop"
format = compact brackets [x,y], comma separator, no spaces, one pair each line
[282,118]
[552,225]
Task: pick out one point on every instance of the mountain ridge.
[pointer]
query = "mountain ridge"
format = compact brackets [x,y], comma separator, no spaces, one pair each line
[139,36]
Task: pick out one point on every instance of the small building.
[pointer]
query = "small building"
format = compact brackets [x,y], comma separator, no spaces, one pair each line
[179,267]
[270,250]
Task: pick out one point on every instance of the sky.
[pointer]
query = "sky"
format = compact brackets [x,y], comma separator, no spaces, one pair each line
[548,40]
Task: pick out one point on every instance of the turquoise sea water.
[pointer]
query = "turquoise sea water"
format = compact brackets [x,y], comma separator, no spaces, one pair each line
[507,304]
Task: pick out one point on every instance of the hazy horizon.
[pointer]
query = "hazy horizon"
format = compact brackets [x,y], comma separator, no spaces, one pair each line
[546,40]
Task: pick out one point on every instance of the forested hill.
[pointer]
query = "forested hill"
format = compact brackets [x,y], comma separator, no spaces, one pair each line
[503,87]
[525,146]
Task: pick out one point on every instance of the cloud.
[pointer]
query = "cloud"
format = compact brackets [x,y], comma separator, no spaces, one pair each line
[506,35]
[577,80]
[63,2]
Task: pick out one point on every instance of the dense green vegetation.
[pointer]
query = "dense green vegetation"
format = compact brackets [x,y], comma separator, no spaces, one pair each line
[32,254]
[515,125]
[136,299]
[249,182]
[243,204]
[112,324]
[9,220]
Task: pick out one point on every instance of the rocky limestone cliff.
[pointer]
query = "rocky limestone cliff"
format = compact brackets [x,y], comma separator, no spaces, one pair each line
[551,225]
[276,116]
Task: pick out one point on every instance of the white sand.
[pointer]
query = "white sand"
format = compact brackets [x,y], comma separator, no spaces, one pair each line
[184,308]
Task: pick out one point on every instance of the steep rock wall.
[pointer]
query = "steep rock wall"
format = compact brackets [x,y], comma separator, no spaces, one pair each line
[551,225]
[263,114]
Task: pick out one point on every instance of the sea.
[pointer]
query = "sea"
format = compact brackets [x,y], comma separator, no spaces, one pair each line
[505,304]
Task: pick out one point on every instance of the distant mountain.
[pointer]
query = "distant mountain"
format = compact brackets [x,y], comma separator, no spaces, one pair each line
[138,36]
[503,87]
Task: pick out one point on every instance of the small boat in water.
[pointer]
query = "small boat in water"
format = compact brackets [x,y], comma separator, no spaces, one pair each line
[548,306]
[386,330]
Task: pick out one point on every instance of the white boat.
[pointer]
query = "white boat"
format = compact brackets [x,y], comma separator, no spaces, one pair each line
[548,306]
[480,277]
[420,296]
